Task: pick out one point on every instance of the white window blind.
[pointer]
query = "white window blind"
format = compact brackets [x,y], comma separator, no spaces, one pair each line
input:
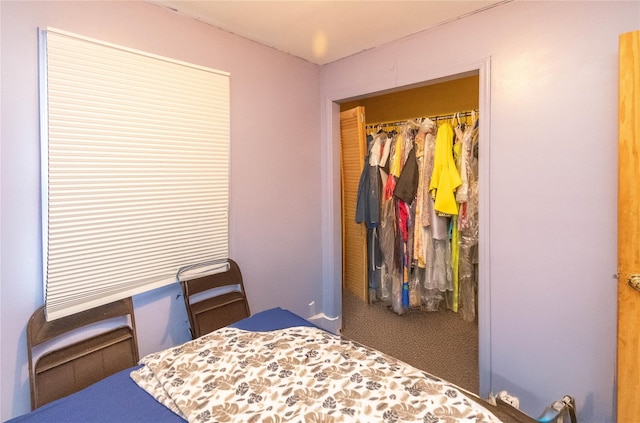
[135,165]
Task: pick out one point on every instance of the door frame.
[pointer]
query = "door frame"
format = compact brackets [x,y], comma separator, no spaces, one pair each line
[331,223]
[628,338]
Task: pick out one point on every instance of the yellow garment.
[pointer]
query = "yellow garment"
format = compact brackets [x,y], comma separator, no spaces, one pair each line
[395,167]
[457,151]
[455,263]
[445,177]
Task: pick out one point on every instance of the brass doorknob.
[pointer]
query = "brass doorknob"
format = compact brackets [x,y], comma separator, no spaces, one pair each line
[634,281]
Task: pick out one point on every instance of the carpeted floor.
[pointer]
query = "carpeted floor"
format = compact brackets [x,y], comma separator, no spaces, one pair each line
[440,343]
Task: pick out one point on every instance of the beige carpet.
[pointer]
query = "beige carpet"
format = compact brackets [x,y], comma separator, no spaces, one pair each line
[440,343]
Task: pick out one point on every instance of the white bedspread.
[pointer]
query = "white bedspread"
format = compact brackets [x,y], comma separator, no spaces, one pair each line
[299,374]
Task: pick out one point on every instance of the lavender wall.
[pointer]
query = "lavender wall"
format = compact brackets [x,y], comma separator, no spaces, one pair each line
[275,168]
[550,184]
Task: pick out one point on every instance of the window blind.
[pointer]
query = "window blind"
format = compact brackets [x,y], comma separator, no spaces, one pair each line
[135,169]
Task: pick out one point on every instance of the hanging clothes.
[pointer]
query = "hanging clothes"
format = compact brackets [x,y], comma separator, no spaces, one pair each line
[426,227]
[445,178]
[418,233]
[368,211]
[425,146]
[390,283]
[468,225]
[407,184]
[368,199]
[464,160]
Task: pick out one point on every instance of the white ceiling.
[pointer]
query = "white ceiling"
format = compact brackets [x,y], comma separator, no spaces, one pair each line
[324,31]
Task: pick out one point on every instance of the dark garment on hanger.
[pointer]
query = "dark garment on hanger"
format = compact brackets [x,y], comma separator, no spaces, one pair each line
[368,211]
[368,201]
[369,194]
[407,185]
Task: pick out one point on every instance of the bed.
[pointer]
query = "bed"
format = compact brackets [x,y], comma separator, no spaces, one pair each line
[239,372]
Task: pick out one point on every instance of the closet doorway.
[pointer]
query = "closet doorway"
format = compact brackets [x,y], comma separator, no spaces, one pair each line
[444,98]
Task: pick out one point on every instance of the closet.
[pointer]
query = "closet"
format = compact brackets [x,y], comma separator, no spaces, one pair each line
[410,197]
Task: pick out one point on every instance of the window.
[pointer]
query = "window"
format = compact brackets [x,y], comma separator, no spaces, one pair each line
[135,168]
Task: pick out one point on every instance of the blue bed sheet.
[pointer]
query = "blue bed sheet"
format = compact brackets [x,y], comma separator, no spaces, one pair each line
[117,398]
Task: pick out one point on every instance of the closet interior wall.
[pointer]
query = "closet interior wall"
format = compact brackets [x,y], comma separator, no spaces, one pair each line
[422,232]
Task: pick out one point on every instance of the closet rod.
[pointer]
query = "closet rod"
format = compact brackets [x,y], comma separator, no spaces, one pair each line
[433,118]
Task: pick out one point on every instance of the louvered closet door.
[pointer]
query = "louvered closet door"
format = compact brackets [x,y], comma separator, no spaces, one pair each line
[629,230]
[354,235]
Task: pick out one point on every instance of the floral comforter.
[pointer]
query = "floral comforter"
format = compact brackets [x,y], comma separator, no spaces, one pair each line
[299,374]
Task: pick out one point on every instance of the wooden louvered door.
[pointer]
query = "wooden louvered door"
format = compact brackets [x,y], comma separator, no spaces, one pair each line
[629,230]
[354,235]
